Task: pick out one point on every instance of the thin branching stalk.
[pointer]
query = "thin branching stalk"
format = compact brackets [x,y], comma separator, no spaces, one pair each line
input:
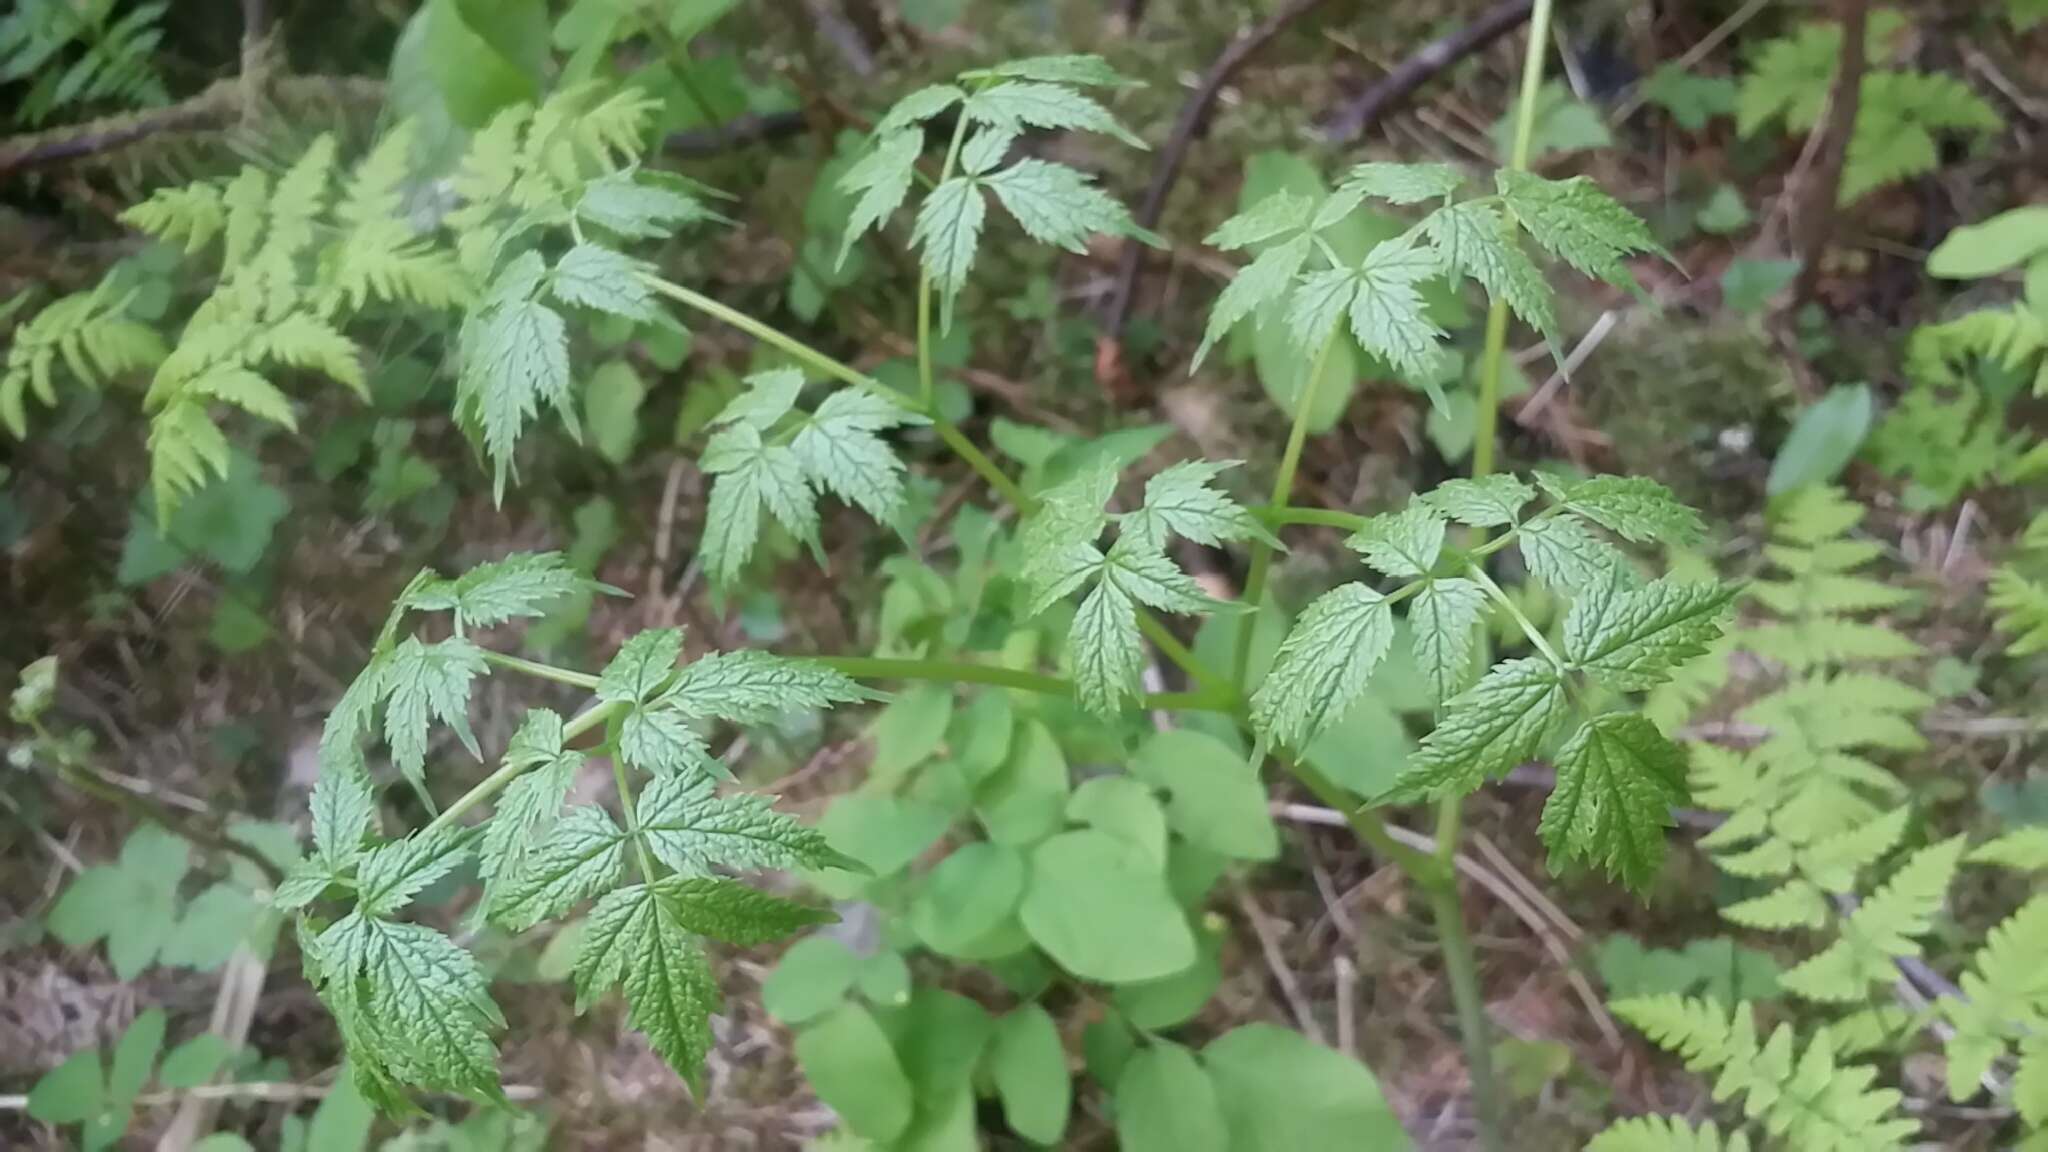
[1459,963]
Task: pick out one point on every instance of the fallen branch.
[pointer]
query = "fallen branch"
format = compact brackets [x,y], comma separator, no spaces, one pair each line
[1814,205]
[1110,372]
[215,106]
[1351,120]
[738,132]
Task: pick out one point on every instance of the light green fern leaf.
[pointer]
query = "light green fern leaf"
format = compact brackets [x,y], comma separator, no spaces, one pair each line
[1884,928]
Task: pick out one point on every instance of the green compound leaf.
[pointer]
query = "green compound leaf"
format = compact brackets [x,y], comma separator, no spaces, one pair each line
[637,209]
[1400,544]
[882,178]
[515,358]
[1179,499]
[1082,71]
[1056,205]
[1266,279]
[522,586]
[918,107]
[1577,222]
[642,666]
[1618,778]
[581,856]
[753,687]
[343,809]
[428,1007]
[427,682]
[947,233]
[986,149]
[1484,503]
[1107,652]
[1034,104]
[1496,724]
[1151,579]
[392,874]
[1387,313]
[528,807]
[595,277]
[734,913]
[636,935]
[1316,305]
[752,475]
[1566,557]
[691,828]
[768,397]
[657,739]
[1631,639]
[1635,508]
[839,450]
[1474,239]
[1442,619]
[1279,213]
[1402,183]
[1323,665]
[131,903]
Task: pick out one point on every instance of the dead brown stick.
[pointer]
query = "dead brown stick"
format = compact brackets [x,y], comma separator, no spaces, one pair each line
[1194,116]
[1814,204]
[215,106]
[1351,119]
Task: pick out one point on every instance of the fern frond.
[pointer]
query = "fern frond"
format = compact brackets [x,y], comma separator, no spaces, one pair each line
[2020,607]
[1883,928]
[1897,116]
[1666,1134]
[186,449]
[378,254]
[2011,337]
[112,61]
[2005,998]
[90,333]
[190,215]
[1898,111]
[1808,1099]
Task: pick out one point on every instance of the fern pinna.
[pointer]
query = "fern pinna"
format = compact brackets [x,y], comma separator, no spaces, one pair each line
[307,254]
[1899,111]
[1827,833]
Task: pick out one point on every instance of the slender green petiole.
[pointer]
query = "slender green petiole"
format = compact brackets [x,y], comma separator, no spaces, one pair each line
[1283,487]
[534,668]
[1528,626]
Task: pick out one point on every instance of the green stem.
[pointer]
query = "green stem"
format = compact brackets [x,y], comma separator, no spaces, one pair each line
[1450,917]
[596,717]
[1283,487]
[1528,626]
[632,816]
[950,671]
[995,675]
[1367,825]
[1462,968]
[1170,646]
[1275,517]
[534,668]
